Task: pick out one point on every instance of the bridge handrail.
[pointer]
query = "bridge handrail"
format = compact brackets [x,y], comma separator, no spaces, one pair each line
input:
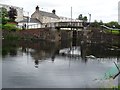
[109,27]
[63,24]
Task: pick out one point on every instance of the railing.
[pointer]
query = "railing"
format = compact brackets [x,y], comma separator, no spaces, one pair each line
[63,24]
[72,24]
[54,25]
[29,26]
[109,28]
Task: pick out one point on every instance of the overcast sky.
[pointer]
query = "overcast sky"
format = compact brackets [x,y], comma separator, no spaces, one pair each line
[105,10]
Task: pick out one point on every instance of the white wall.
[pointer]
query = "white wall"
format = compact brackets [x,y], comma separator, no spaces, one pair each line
[37,16]
[49,19]
[43,19]
[65,19]
[29,25]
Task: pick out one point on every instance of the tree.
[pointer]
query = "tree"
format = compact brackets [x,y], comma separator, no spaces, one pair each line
[85,19]
[95,24]
[3,15]
[101,22]
[3,12]
[12,13]
[80,17]
[113,24]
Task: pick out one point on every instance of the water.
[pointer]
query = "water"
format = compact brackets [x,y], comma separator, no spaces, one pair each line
[39,64]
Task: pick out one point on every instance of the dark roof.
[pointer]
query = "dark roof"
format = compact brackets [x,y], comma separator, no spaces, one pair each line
[48,14]
[31,20]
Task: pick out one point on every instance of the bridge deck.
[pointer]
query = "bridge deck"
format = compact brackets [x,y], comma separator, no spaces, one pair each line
[59,25]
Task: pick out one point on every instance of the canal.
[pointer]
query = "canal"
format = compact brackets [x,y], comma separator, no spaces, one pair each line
[40,64]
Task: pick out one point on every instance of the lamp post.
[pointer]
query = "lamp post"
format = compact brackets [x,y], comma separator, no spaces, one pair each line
[27,17]
[71,15]
[89,18]
[27,20]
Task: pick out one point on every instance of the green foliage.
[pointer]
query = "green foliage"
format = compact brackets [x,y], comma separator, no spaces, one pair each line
[118,87]
[113,24]
[85,19]
[116,32]
[4,20]
[95,24]
[3,15]
[8,16]
[3,12]
[101,22]
[80,17]
[10,48]
[10,27]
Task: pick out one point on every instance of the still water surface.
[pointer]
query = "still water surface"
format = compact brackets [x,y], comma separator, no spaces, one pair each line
[42,64]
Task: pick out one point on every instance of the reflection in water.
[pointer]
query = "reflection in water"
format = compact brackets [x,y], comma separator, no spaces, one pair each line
[84,51]
[9,48]
[36,63]
[41,50]
[81,63]
[53,58]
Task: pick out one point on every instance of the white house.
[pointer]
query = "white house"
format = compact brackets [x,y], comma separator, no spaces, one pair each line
[45,17]
[29,23]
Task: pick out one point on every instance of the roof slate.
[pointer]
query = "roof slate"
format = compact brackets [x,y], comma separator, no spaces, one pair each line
[32,20]
[48,14]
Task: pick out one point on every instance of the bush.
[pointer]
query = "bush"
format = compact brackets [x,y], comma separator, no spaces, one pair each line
[4,20]
[113,32]
[10,27]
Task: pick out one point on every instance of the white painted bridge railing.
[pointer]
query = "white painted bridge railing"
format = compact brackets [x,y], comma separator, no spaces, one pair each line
[31,26]
[63,24]
[52,25]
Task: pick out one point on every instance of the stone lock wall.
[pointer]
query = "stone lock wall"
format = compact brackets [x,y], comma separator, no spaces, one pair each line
[41,33]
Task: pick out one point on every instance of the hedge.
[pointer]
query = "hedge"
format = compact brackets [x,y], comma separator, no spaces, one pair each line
[10,27]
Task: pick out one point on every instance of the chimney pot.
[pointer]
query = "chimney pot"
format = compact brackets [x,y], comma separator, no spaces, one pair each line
[37,8]
[53,11]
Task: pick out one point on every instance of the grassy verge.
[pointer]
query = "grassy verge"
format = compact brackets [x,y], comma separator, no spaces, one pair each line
[116,32]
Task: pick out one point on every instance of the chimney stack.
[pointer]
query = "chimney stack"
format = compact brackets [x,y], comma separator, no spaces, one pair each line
[37,8]
[53,11]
